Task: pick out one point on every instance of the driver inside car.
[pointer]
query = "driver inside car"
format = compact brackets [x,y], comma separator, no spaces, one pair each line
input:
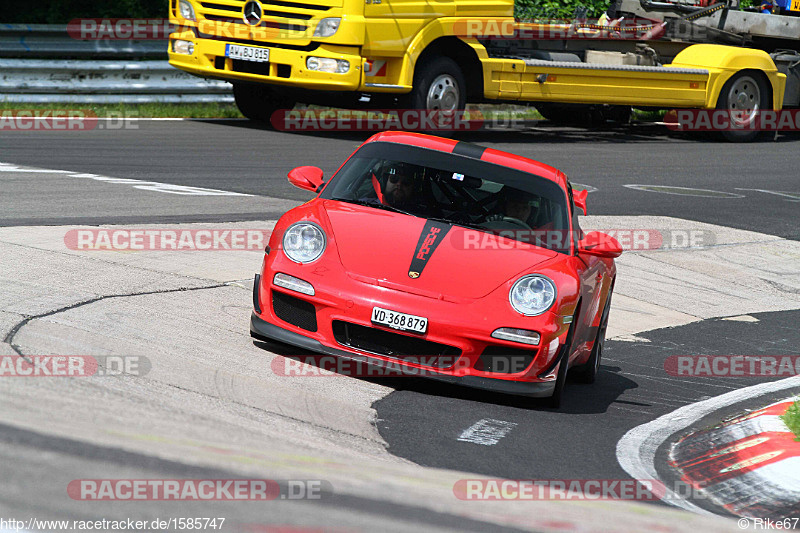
[516,207]
[399,188]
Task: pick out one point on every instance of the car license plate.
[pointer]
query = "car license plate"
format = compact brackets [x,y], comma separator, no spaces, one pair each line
[401,321]
[795,5]
[247,53]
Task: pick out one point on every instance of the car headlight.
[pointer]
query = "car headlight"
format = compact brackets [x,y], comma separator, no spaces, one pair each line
[186,10]
[304,242]
[327,27]
[532,295]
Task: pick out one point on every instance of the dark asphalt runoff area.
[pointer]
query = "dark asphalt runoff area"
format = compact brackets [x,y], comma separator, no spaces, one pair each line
[759,182]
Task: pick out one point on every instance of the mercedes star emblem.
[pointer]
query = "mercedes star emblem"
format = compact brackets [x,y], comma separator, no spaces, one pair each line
[253,13]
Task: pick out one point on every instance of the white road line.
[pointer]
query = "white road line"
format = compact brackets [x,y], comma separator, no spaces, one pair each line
[9,168]
[154,186]
[683,191]
[793,196]
[636,450]
[487,432]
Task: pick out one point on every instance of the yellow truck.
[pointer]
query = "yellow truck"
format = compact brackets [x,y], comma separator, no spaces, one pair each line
[441,54]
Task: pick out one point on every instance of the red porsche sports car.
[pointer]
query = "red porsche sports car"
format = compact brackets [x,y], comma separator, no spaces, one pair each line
[437,255]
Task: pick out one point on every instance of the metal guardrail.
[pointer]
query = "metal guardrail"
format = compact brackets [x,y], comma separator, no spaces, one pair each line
[43,63]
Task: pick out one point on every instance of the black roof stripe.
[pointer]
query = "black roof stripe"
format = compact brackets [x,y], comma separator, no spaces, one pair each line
[469,150]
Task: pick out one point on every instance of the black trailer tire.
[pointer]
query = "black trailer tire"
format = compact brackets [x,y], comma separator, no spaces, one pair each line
[745,92]
[259,102]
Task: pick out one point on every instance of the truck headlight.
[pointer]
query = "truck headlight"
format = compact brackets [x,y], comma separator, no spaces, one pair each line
[186,10]
[183,47]
[327,27]
[532,295]
[304,242]
[326,64]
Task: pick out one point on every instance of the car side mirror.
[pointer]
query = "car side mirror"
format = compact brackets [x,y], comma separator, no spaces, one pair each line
[579,198]
[600,244]
[307,178]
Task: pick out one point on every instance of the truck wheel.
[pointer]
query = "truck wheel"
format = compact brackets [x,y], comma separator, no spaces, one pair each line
[439,85]
[745,95]
[258,102]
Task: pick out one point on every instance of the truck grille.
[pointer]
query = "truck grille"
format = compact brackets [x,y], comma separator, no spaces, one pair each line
[403,347]
[280,14]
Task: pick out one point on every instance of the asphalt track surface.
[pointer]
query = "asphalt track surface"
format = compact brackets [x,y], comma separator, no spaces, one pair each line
[421,420]
[237,156]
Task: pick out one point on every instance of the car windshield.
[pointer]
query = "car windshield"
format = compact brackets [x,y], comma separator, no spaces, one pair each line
[459,190]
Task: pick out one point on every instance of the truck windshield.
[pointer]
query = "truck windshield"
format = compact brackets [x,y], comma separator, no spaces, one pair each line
[460,190]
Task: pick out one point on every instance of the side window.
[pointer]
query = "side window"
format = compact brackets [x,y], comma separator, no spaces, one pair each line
[577,232]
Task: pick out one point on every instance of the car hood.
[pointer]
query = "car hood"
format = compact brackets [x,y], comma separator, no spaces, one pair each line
[380,247]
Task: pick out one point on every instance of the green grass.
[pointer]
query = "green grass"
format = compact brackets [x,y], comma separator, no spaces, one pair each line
[154,110]
[792,419]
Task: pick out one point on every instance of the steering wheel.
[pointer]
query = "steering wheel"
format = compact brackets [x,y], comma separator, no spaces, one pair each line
[516,222]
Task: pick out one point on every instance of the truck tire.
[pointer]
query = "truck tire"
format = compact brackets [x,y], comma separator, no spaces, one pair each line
[259,102]
[745,92]
[439,85]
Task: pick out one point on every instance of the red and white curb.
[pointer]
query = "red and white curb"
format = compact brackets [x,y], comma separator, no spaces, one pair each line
[749,465]
[636,450]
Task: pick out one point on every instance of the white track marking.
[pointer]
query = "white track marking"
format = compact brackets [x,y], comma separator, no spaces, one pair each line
[629,338]
[792,196]
[11,168]
[683,191]
[154,186]
[741,318]
[636,450]
[487,431]
[582,186]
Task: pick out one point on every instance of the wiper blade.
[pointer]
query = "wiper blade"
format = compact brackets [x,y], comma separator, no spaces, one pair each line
[469,225]
[376,205]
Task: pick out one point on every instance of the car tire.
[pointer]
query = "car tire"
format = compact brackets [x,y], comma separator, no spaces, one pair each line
[259,102]
[439,84]
[563,366]
[744,88]
[587,372]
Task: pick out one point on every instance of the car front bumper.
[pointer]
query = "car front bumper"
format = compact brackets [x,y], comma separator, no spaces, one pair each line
[263,330]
